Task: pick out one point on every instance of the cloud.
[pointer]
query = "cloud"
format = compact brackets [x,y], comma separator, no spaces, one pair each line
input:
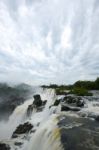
[49,41]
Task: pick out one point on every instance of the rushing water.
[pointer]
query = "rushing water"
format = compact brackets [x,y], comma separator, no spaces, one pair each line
[47,133]
[46,119]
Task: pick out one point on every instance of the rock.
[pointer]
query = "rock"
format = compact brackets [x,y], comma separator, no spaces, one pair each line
[65,108]
[37,100]
[74,100]
[29,110]
[22,129]
[68,108]
[38,104]
[80,103]
[44,102]
[69,99]
[18,143]
[56,103]
[39,109]
[3,146]
[97,118]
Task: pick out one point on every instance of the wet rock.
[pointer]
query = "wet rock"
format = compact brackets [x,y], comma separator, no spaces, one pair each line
[29,110]
[80,103]
[69,99]
[69,108]
[39,109]
[56,103]
[22,129]
[18,143]
[37,100]
[74,100]
[4,146]
[44,102]
[37,104]
[97,118]
[33,131]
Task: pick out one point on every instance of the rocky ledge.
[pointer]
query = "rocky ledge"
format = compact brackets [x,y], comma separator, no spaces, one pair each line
[37,104]
[4,146]
[22,129]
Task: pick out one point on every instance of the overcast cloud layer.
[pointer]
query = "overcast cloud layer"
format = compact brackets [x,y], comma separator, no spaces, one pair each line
[49,41]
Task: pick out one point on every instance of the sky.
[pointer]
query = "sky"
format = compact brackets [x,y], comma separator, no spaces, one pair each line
[49,41]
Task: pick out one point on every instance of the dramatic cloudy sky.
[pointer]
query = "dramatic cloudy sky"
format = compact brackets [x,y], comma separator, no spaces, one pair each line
[49,41]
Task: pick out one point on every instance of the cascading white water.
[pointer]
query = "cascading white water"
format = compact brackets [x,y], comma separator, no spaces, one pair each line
[18,116]
[47,136]
[48,124]
[91,108]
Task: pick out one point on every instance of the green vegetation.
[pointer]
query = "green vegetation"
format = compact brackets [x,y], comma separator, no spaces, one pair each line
[89,85]
[80,92]
[79,88]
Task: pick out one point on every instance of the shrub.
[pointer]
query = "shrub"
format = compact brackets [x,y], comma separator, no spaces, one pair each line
[80,92]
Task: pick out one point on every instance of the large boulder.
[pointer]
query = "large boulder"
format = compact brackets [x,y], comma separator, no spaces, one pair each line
[37,104]
[69,99]
[22,129]
[77,101]
[4,146]
[37,100]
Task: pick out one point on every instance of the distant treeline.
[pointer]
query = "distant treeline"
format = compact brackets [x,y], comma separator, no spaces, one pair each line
[89,85]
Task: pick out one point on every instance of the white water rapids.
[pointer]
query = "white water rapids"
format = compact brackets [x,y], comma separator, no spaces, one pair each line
[47,135]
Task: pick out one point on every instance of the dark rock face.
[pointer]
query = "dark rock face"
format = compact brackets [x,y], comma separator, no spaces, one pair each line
[37,100]
[68,108]
[22,129]
[18,143]
[97,118]
[29,110]
[56,103]
[4,146]
[80,103]
[74,100]
[69,99]
[44,102]
[79,133]
[38,104]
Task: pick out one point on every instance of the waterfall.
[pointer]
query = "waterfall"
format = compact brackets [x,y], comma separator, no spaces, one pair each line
[47,136]
[17,117]
[19,114]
